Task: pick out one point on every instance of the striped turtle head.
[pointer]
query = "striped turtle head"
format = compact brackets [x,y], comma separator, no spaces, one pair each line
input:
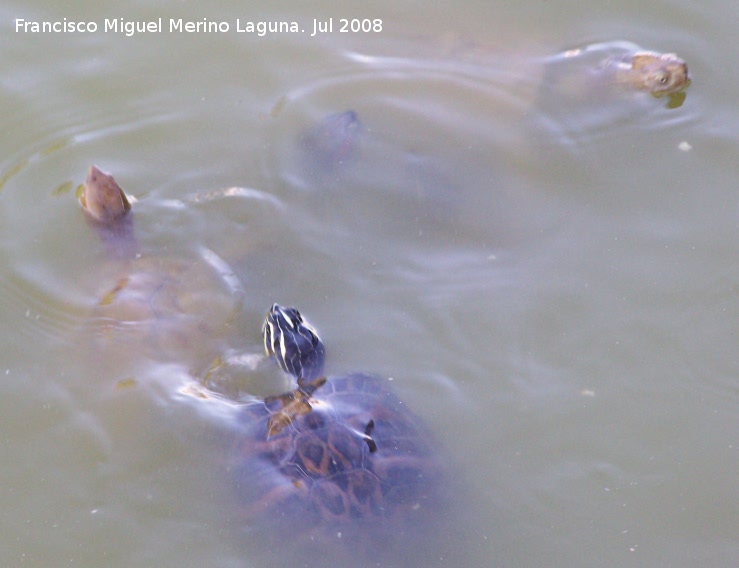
[293,342]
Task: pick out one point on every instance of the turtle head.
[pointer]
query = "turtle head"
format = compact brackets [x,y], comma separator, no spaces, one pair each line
[293,342]
[661,74]
[102,198]
[106,208]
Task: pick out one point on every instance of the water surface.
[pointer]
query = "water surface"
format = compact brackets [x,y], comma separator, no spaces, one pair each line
[552,288]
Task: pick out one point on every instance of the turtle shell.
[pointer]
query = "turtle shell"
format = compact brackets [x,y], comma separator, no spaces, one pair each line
[356,468]
[161,308]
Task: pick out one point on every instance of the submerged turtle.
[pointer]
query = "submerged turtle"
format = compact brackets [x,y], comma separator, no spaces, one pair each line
[600,71]
[339,463]
[329,147]
[333,140]
[166,308]
[601,74]
[592,71]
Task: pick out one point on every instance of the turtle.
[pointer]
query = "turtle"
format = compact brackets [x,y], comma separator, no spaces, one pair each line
[326,149]
[329,150]
[332,141]
[600,72]
[597,71]
[163,308]
[339,464]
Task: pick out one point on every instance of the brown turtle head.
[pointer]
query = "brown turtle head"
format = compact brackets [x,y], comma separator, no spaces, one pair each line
[106,208]
[102,198]
[661,74]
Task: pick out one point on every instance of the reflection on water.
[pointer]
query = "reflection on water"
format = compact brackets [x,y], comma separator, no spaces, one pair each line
[542,264]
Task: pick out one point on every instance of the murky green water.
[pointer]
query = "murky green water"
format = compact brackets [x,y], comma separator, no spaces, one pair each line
[552,284]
